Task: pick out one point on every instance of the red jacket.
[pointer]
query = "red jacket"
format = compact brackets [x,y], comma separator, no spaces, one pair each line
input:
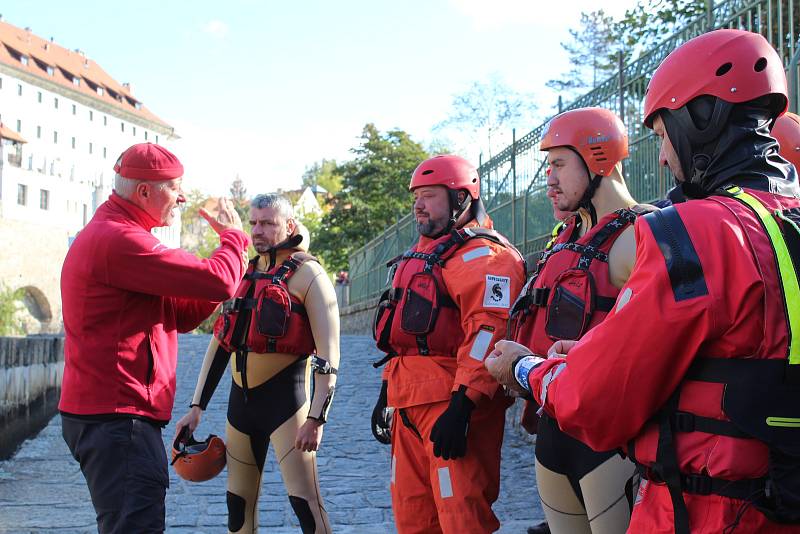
[622,371]
[125,296]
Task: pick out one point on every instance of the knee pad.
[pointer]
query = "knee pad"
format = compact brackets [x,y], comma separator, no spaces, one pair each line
[303,512]
[236,507]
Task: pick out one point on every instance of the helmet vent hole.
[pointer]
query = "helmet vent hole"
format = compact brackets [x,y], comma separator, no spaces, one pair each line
[760,65]
[724,68]
[601,159]
[474,180]
[429,171]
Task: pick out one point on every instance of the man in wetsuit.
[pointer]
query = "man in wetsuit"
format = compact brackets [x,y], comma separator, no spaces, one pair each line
[573,288]
[282,326]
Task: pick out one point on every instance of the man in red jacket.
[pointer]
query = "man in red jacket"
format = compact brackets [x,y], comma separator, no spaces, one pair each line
[125,297]
[696,370]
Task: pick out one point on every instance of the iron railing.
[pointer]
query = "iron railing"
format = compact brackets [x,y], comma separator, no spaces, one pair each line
[513,181]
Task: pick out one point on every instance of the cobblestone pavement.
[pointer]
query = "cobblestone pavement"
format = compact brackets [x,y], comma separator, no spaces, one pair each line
[43,490]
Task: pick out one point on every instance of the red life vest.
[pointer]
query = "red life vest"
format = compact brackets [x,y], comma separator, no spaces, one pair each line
[263,317]
[417,316]
[745,408]
[571,290]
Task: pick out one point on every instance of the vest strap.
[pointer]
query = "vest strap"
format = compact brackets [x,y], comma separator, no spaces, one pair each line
[689,422]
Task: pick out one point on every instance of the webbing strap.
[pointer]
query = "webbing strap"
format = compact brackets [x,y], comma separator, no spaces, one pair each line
[788,276]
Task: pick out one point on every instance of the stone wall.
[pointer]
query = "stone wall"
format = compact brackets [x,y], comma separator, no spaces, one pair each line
[356,319]
[32,258]
[31,369]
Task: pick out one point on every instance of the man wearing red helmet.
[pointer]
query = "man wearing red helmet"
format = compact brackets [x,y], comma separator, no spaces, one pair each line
[575,285]
[696,370]
[447,305]
[125,297]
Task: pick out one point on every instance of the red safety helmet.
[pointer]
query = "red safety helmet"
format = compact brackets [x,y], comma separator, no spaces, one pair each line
[453,172]
[733,65]
[198,461]
[597,134]
[787,132]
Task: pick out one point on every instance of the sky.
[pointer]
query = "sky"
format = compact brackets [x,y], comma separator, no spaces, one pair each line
[263,89]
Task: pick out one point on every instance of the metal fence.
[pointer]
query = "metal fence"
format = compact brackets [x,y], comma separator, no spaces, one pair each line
[513,181]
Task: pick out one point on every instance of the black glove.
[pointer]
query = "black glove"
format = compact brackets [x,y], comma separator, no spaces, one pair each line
[381,418]
[449,434]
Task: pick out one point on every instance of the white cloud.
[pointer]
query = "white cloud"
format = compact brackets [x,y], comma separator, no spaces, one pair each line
[217,28]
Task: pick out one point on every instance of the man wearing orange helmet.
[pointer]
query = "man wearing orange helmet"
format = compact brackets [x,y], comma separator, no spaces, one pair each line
[574,287]
[696,371]
[787,133]
[447,305]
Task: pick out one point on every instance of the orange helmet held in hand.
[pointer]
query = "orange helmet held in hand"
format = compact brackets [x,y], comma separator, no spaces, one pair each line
[198,461]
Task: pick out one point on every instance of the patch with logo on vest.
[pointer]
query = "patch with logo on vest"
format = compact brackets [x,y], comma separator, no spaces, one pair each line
[496,294]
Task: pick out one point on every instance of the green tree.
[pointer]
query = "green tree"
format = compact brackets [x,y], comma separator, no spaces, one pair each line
[324,173]
[651,21]
[591,49]
[374,194]
[239,198]
[10,324]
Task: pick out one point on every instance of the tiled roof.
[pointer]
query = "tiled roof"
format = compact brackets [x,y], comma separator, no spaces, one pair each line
[8,133]
[21,49]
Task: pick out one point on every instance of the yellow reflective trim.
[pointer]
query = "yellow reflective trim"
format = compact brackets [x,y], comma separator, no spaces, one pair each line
[788,422]
[554,234]
[791,287]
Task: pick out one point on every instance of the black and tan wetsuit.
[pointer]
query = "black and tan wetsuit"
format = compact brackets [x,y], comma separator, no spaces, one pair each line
[276,403]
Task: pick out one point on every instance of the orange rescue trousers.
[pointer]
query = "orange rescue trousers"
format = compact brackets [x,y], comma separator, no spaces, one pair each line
[431,495]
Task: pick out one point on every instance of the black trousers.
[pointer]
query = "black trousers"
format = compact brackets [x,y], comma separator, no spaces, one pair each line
[125,466]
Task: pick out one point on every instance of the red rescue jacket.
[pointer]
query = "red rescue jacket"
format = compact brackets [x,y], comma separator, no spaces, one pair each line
[125,296]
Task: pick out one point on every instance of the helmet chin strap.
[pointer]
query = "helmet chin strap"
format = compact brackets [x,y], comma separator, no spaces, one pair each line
[456,210]
[594,182]
[289,242]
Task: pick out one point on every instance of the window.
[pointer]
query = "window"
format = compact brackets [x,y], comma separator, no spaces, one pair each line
[105,152]
[23,60]
[90,148]
[55,102]
[50,70]
[22,194]
[19,126]
[134,131]
[44,199]
[73,142]
[19,89]
[105,120]
[1,83]
[74,109]
[91,115]
[39,97]
[122,126]
[145,135]
[38,132]
[76,81]
[156,139]
[100,91]
[55,137]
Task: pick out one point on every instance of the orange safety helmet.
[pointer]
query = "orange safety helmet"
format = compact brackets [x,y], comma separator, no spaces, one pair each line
[733,65]
[787,132]
[451,171]
[198,461]
[597,134]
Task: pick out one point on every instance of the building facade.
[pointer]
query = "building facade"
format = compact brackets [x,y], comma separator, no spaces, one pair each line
[63,123]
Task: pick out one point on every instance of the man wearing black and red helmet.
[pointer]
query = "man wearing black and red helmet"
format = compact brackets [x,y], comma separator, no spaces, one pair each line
[575,285]
[447,305]
[696,370]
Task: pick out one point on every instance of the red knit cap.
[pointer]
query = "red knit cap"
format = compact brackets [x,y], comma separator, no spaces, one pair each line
[147,161]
